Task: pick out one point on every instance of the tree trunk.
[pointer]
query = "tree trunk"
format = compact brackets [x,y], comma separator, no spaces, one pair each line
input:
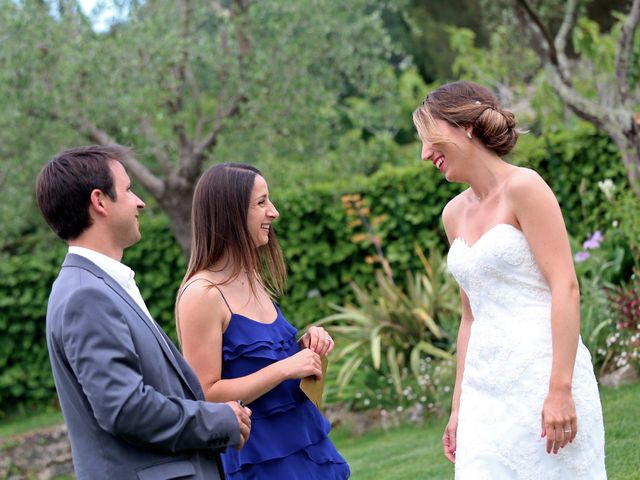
[627,139]
[631,156]
[176,203]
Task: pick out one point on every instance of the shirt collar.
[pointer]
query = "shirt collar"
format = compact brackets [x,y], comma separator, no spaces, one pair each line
[115,269]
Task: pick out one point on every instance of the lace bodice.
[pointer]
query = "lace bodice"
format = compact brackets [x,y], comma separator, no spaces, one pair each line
[499,274]
[507,368]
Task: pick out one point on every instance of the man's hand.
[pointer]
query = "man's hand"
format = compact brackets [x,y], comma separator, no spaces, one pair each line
[243,414]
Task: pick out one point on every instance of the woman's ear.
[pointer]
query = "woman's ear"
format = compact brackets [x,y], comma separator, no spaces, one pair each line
[469,132]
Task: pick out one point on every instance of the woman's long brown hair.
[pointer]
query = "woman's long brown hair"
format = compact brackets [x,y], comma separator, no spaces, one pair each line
[219,230]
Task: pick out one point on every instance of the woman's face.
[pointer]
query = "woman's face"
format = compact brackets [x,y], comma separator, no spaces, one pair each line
[261,212]
[448,156]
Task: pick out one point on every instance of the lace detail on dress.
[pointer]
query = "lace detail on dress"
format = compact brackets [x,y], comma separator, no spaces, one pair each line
[507,369]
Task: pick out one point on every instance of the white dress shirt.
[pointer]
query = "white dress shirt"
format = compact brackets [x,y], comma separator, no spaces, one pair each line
[121,274]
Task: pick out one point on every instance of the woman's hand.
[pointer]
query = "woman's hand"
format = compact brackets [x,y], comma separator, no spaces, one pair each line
[449,437]
[318,340]
[559,422]
[303,364]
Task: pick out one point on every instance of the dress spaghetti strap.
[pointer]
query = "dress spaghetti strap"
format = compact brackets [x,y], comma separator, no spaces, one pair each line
[180,296]
[212,284]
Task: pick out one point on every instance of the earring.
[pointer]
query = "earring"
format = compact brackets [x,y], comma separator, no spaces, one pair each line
[469,135]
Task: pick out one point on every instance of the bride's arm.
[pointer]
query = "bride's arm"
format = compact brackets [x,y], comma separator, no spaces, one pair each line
[449,438]
[450,216]
[541,220]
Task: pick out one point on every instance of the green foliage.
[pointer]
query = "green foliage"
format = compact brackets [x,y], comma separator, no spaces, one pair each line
[394,328]
[317,240]
[163,78]
[623,343]
[25,282]
[493,65]
[318,237]
[602,265]
[573,161]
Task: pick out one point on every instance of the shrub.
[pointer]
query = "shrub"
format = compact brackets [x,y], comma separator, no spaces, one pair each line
[623,344]
[316,233]
[388,333]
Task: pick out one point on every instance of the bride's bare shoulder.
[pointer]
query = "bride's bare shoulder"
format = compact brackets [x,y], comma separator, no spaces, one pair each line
[451,214]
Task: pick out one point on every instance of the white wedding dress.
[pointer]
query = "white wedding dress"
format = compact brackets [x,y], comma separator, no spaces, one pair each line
[507,368]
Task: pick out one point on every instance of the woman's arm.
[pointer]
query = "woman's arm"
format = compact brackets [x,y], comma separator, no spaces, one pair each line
[203,315]
[449,438]
[450,214]
[540,218]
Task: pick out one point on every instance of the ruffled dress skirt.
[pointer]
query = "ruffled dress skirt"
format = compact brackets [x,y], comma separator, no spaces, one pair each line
[289,436]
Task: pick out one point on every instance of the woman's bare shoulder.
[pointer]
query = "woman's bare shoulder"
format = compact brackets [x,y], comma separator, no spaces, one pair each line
[451,213]
[200,294]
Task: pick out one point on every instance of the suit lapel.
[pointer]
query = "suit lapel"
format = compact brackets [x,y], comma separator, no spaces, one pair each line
[172,354]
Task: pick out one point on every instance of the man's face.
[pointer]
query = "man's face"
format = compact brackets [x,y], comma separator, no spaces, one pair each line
[124,210]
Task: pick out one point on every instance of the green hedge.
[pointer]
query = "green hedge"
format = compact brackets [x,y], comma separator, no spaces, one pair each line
[317,241]
[573,162]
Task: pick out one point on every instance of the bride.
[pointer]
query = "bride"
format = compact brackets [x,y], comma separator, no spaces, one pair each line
[525,403]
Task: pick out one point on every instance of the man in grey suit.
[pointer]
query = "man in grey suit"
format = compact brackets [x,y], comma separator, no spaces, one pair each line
[133,407]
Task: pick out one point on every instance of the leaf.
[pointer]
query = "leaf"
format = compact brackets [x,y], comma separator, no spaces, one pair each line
[394,369]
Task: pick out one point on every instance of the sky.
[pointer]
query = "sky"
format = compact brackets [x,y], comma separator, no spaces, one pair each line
[102,13]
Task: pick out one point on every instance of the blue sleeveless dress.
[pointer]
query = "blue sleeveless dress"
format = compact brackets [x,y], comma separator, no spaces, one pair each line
[289,436]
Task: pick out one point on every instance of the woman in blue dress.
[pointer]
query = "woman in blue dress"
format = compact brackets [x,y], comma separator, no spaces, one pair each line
[236,338]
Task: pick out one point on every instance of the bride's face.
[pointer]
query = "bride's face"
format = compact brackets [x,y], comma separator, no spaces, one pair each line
[449,152]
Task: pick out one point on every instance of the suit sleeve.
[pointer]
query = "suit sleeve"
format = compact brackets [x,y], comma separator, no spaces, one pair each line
[99,348]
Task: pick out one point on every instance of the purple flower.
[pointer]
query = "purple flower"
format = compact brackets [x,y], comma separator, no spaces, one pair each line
[593,241]
[581,256]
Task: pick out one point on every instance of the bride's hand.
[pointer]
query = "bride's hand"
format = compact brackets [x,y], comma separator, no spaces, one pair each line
[449,438]
[559,422]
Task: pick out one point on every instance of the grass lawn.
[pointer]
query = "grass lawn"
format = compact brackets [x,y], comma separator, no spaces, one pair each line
[27,421]
[415,452]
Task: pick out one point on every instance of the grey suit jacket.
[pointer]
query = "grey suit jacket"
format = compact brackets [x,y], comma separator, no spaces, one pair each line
[133,407]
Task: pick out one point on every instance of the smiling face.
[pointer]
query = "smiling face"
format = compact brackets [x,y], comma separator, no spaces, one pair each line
[261,212]
[449,151]
[124,210]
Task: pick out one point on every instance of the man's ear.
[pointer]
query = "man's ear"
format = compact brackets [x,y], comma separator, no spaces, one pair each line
[97,202]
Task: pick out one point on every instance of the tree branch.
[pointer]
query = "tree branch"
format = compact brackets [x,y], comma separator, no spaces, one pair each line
[221,116]
[176,104]
[238,14]
[155,145]
[608,120]
[142,174]
[3,177]
[560,42]
[623,54]
[543,43]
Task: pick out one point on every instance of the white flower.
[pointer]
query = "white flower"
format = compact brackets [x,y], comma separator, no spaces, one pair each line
[607,187]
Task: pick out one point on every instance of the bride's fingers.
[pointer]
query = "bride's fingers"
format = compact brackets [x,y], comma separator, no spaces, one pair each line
[574,429]
[449,444]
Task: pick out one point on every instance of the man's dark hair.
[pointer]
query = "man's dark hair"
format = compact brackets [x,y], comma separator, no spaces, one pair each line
[65,183]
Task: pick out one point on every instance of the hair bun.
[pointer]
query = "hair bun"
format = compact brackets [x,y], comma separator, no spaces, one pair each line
[466,104]
[495,127]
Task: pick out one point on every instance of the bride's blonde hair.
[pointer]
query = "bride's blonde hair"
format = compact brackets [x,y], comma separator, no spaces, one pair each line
[467,104]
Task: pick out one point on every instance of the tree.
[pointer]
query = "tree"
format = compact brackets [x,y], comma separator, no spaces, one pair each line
[187,82]
[613,113]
